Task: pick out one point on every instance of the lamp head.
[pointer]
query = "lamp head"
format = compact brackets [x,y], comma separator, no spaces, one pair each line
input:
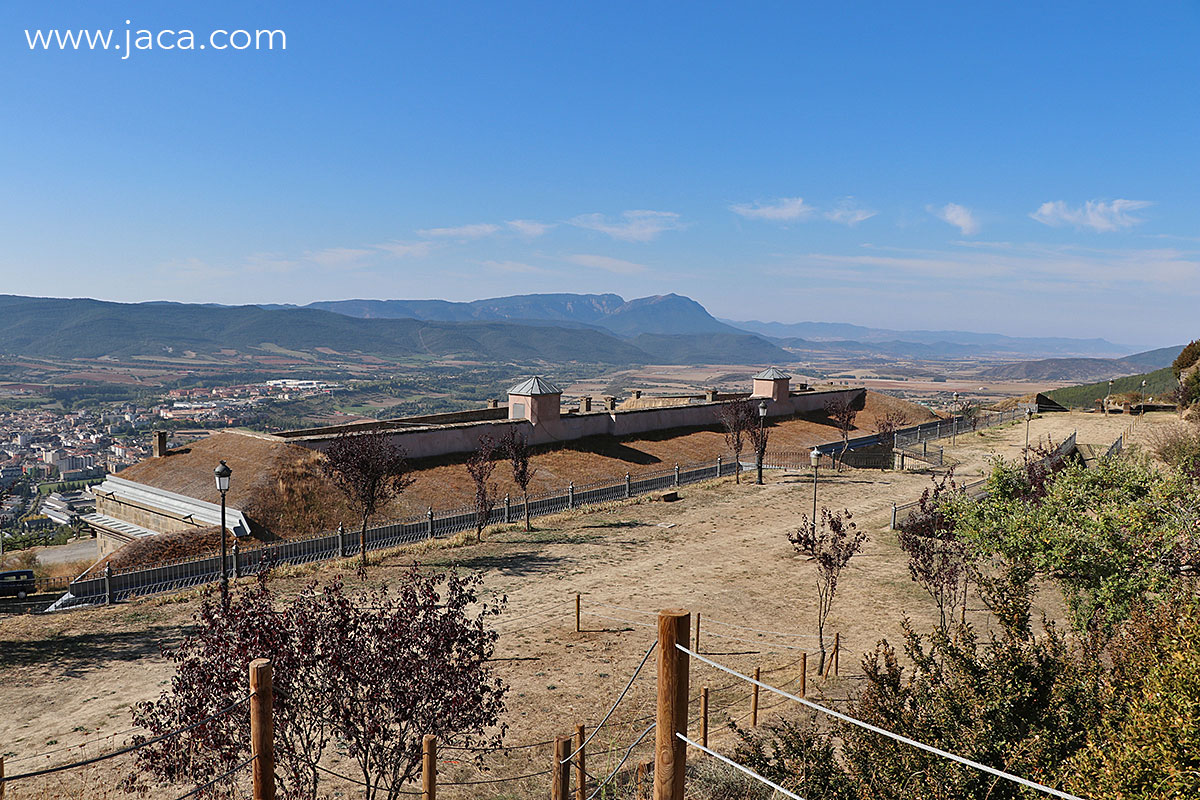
[762,408]
[814,457]
[222,474]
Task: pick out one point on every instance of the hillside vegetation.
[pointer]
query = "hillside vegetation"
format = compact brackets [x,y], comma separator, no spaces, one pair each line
[83,328]
[1159,384]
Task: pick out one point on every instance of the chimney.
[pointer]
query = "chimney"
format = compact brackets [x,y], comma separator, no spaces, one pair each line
[710,395]
[585,405]
[160,444]
[493,403]
[637,394]
[610,402]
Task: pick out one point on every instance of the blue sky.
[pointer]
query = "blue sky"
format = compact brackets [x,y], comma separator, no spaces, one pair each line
[1001,167]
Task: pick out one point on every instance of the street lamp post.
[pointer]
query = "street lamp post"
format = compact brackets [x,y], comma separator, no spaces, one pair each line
[222,474]
[762,420]
[815,458]
[1107,396]
[1028,417]
[954,422]
[1142,410]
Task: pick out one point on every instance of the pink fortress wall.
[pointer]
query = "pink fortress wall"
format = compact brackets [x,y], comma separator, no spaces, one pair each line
[430,441]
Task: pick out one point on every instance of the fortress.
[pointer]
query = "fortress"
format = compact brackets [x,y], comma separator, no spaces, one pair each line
[174,491]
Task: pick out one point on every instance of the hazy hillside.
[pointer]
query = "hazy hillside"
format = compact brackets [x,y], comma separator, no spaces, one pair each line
[979,343]
[82,328]
[1158,384]
[1083,369]
[668,314]
[711,348]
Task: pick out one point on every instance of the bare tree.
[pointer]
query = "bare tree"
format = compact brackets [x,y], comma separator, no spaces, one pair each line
[842,411]
[759,435]
[370,471]
[887,425]
[737,418]
[480,465]
[831,544]
[519,453]
[938,560]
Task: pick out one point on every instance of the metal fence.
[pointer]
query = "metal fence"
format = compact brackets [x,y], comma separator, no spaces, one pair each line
[114,585]
[975,489]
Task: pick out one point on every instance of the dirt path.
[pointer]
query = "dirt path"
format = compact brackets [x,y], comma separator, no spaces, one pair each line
[721,551]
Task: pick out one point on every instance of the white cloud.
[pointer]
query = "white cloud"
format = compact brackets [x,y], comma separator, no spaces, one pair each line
[958,216]
[782,210]
[475,231]
[405,249]
[634,226]
[849,213]
[607,263]
[529,227]
[1094,214]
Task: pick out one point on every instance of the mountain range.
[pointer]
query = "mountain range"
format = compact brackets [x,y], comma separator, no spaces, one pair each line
[597,328]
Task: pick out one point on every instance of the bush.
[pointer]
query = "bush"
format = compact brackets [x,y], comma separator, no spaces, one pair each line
[1186,358]
[1177,445]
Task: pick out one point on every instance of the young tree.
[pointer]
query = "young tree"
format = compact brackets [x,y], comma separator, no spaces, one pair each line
[369,470]
[937,558]
[738,418]
[759,435]
[374,671]
[842,412]
[519,453]
[831,544]
[480,465]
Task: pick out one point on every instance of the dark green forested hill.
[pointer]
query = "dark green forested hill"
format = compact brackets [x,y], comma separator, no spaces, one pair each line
[1158,384]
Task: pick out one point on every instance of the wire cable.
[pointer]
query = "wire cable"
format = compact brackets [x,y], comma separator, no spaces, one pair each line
[131,748]
[876,729]
[217,779]
[738,766]
[761,642]
[620,697]
[624,758]
[97,740]
[357,782]
[626,621]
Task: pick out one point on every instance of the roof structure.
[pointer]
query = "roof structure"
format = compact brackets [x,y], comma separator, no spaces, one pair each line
[535,386]
[188,470]
[772,374]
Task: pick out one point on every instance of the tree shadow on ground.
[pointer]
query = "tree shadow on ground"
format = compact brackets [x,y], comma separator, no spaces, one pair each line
[72,655]
[516,564]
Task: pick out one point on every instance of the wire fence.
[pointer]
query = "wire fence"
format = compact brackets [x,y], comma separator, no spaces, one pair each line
[845,718]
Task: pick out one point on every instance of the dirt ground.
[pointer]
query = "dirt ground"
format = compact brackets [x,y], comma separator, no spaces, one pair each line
[721,552]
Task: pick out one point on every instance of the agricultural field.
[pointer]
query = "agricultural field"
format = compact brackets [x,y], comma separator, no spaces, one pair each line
[721,551]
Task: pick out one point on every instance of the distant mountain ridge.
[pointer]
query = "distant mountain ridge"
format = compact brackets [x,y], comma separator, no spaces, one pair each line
[662,314]
[944,342]
[1083,369]
[85,328]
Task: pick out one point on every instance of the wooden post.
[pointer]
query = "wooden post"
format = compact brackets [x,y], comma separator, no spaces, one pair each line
[704,716]
[560,788]
[642,770]
[262,729]
[804,674]
[754,700]
[580,770]
[577,628]
[429,767]
[696,647]
[670,752]
[1,777]
[837,649]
